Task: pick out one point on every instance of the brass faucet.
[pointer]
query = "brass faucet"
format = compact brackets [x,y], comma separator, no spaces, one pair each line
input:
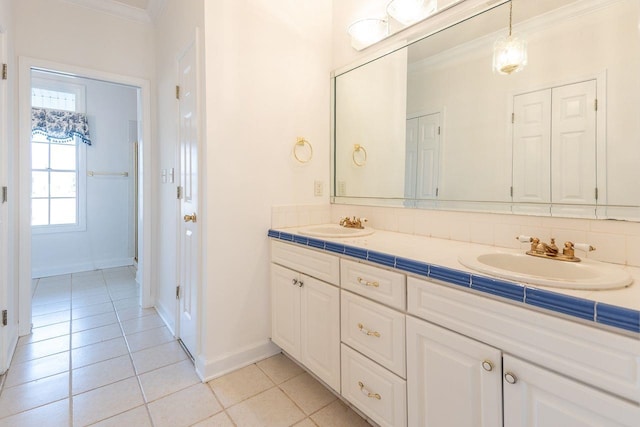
[551,251]
[353,222]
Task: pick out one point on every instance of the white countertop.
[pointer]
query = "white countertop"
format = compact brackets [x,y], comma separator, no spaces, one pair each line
[446,252]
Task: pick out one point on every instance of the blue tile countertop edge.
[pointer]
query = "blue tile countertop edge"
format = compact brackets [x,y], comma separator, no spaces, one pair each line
[601,313]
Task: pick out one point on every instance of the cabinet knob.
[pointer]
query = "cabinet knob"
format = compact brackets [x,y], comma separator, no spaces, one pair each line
[510,378]
[294,281]
[367,393]
[487,365]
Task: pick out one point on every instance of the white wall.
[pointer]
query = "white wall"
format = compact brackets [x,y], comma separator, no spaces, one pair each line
[64,32]
[175,29]
[108,239]
[267,77]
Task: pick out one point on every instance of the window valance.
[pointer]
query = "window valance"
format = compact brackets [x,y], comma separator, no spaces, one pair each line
[60,126]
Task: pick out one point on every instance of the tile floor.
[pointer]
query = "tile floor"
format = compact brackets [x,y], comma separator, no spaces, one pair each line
[96,358]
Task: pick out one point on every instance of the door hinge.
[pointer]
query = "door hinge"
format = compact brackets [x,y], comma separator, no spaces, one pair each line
[5,194]
[5,319]
[178,292]
[596,193]
[177,92]
[438,130]
[5,71]
[511,191]
[513,117]
[179,192]
[437,191]
[595,104]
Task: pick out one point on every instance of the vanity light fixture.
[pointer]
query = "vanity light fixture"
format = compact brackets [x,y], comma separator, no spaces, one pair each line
[368,31]
[509,53]
[409,12]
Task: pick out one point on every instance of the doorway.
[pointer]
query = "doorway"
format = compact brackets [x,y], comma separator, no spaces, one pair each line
[107,176]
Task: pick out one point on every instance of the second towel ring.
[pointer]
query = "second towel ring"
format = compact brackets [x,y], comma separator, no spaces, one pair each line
[357,148]
[301,142]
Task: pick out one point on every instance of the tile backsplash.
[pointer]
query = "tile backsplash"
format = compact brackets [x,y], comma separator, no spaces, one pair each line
[615,241]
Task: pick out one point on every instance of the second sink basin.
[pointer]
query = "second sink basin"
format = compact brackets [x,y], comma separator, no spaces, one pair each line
[335,230]
[586,274]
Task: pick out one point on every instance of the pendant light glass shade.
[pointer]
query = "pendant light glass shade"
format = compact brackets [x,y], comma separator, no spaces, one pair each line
[409,12]
[366,32]
[510,52]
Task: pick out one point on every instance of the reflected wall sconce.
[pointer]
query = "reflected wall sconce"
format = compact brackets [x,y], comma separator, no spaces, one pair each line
[368,31]
[509,53]
[408,12]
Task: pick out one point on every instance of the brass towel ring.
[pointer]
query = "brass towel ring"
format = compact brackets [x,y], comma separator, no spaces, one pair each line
[301,142]
[357,148]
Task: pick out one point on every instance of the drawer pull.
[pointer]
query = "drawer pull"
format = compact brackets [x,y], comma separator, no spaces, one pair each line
[487,365]
[367,392]
[366,283]
[368,332]
[298,283]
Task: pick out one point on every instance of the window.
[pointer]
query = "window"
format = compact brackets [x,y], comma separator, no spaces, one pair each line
[57,167]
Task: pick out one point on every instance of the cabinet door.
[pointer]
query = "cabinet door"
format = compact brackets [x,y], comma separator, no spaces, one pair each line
[452,380]
[320,330]
[285,309]
[534,396]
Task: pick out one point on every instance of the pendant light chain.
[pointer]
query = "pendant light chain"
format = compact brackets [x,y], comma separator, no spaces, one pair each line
[510,15]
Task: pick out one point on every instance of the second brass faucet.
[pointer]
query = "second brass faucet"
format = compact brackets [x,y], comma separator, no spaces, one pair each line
[551,251]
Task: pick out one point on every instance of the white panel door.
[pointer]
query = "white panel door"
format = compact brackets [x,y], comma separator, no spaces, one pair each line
[535,397]
[532,147]
[573,144]
[452,380]
[410,163]
[428,162]
[320,330]
[189,254]
[285,309]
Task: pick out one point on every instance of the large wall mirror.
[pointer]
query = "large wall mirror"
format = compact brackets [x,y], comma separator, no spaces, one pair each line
[431,125]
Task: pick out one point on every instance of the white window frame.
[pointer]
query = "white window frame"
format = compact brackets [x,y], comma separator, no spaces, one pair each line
[60,84]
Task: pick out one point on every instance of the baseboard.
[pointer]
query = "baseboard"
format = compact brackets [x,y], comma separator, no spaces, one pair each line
[210,369]
[168,318]
[57,270]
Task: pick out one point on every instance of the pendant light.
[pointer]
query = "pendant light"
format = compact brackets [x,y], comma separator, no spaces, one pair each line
[509,53]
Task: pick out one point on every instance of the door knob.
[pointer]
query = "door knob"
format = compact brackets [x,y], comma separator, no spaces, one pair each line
[191,218]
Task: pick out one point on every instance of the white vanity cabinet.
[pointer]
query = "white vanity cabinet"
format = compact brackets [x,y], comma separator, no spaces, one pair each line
[536,397]
[305,312]
[452,380]
[553,371]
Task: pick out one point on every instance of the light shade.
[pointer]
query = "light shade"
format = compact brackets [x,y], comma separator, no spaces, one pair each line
[509,54]
[366,32]
[409,12]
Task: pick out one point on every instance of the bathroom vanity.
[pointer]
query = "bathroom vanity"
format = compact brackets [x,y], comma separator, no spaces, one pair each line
[409,336]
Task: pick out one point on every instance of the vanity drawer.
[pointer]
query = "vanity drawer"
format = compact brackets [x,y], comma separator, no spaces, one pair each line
[378,393]
[313,263]
[374,330]
[387,287]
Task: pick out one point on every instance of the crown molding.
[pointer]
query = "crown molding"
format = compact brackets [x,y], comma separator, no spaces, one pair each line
[119,9]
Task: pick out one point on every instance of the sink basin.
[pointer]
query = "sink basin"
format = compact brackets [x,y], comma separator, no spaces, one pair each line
[586,274]
[335,230]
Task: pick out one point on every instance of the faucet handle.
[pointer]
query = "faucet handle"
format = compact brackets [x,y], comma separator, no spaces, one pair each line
[524,239]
